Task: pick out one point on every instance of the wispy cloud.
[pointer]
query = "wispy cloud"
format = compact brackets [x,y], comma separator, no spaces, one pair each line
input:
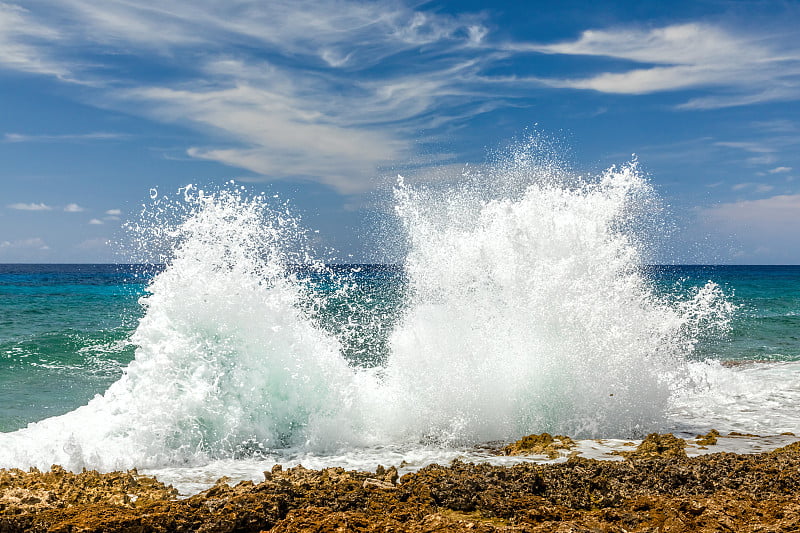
[324,90]
[780,125]
[747,68]
[25,43]
[310,90]
[753,147]
[278,133]
[35,243]
[78,137]
[779,170]
[765,151]
[757,187]
[73,208]
[30,207]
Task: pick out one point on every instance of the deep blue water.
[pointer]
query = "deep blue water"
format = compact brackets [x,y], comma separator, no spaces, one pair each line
[64,329]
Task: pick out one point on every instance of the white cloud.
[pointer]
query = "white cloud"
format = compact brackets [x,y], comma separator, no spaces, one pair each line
[779,170]
[74,208]
[24,43]
[288,125]
[693,43]
[753,147]
[755,96]
[757,187]
[114,212]
[765,159]
[323,90]
[98,136]
[776,126]
[35,243]
[751,68]
[317,110]
[95,221]
[30,207]
[765,151]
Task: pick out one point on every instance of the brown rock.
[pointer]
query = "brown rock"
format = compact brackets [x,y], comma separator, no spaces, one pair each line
[709,439]
[656,445]
[656,490]
[542,444]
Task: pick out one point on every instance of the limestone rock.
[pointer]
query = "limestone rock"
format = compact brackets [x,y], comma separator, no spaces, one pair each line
[542,444]
[657,489]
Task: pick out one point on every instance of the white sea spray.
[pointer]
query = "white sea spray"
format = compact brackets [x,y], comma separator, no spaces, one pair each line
[528,310]
[532,313]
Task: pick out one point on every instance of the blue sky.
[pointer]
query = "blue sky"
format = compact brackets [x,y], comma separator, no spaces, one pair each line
[324,102]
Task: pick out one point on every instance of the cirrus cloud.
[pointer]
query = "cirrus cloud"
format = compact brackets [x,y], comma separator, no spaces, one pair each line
[30,207]
[748,68]
[35,243]
[325,90]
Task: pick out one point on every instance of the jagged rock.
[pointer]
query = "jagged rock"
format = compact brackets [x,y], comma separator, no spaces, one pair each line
[656,490]
[36,491]
[377,484]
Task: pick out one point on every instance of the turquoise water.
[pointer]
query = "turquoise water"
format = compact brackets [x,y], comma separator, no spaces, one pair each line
[64,333]
[766,324]
[65,329]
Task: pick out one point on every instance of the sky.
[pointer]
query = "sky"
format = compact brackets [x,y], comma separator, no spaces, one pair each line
[324,102]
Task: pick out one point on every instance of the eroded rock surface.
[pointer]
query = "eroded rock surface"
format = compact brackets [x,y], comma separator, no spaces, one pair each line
[646,492]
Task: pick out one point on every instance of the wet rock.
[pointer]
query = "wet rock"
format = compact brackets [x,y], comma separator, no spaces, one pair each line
[709,439]
[657,445]
[542,444]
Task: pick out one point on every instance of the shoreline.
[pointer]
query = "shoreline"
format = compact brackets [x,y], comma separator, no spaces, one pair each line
[654,486]
[193,480]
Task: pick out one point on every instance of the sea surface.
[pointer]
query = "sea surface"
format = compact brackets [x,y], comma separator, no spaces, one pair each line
[522,311]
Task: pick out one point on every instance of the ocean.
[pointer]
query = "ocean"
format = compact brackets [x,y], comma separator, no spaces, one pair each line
[519,311]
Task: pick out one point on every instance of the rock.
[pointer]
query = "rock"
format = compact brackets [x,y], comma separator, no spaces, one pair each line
[709,439]
[37,491]
[790,448]
[542,444]
[372,483]
[656,445]
[655,489]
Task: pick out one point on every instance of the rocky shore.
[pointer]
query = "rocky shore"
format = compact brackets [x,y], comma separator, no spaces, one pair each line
[654,488]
